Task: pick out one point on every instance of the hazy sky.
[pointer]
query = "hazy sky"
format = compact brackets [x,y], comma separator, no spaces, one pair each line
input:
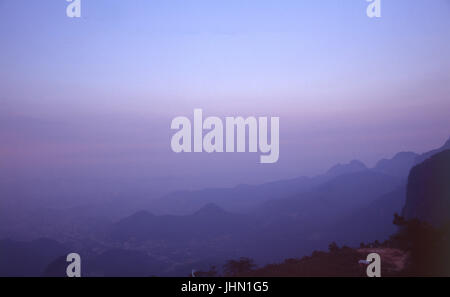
[96,95]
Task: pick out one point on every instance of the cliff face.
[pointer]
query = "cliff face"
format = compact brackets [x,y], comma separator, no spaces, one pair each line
[428,190]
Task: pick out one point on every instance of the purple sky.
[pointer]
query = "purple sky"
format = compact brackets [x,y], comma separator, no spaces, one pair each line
[95,96]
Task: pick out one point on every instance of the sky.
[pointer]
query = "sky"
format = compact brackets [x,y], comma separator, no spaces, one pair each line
[95,96]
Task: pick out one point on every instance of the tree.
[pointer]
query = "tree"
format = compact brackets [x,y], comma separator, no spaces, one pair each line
[428,246]
[236,268]
[333,247]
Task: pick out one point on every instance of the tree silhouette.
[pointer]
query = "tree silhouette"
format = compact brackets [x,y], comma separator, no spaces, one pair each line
[428,246]
[333,247]
[235,268]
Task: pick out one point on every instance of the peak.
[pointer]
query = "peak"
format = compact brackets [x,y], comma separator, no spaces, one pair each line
[352,166]
[240,186]
[210,208]
[142,214]
[357,163]
[405,155]
[447,144]
[426,155]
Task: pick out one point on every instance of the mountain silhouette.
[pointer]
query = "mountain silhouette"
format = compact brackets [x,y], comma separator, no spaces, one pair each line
[211,210]
[353,166]
[428,191]
[28,258]
[241,198]
[370,223]
[244,198]
[208,222]
[337,197]
[399,165]
[427,155]
[348,204]
[297,222]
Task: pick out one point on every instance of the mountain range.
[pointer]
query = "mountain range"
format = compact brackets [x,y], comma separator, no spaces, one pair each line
[349,204]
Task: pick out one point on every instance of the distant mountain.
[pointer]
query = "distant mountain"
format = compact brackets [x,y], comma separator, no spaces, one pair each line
[28,258]
[298,223]
[241,198]
[335,198]
[304,222]
[209,222]
[428,191]
[399,165]
[244,198]
[370,223]
[427,155]
[353,166]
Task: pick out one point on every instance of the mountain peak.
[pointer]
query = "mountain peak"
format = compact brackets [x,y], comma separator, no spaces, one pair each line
[140,216]
[210,209]
[403,155]
[426,155]
[447,144]
[357,163]
[352,166]
[399,165]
